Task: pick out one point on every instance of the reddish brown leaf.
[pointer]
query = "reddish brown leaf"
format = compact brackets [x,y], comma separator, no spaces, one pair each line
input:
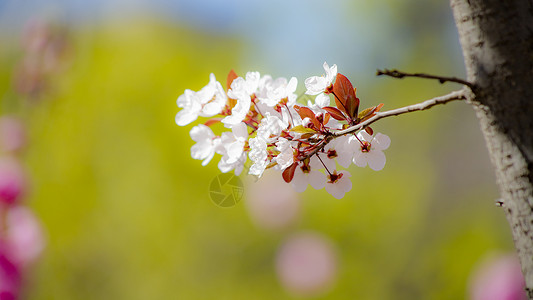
[335,113]
[306,112]
[212,121]
[288,173]
[345,96]
[231,76]
[369,130]
[326,118]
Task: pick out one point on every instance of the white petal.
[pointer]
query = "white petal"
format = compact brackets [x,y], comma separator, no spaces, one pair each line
[322,100]
[331,73]
[344,158]
[208,158]
[315,85]
[240,130]
[258,168]
[317,179]
[360,159]
[335,190]
[201,132]
[376,159]
[224,166]
[292,85]
[235,151]
[185,117]
[381,142]
[299,181]
[364,136]
[201,150]
[315,163]
[252,82]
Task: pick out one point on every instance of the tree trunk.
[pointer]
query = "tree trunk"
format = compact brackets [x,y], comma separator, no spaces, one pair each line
[497,41]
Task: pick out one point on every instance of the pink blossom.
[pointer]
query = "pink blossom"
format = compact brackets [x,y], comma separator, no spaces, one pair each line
[306,264]
[271,207]
[25,239]
[10,278]
[498,278]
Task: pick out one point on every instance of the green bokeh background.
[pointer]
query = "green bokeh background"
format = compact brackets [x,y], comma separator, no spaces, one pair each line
[126,209]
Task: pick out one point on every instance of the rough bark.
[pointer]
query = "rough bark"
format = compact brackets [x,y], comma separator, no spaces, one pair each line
[497,41]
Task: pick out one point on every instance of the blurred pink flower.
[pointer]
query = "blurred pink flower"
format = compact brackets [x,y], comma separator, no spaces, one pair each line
[12,180]
[25,240]
[9,277]
[498,278]
[306,264]
[272,203]
[12,134]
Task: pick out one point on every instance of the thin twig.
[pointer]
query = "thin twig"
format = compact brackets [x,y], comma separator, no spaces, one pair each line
[441,79]
[457,95]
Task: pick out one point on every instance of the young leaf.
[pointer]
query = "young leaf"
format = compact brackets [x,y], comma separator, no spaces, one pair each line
[301,129]
[212,121]
[345,96]
[335,113]
[231,76]
[306,136]
[326,118]
[306,112]
[288,173]
[369,112]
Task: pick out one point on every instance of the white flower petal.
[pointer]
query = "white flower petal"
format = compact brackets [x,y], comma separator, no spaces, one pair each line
[188,114]
[208,158]
[200,133]
[381,142]
[376,159]
[315,85]
[317,179]
[364,136]
[360,159]
[240,131]
[322,100]
[299,181]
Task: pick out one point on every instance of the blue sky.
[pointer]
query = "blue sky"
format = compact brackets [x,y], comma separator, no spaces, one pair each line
[290,37]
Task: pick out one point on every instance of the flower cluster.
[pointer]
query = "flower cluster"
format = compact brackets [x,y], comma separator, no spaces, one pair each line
[268,125]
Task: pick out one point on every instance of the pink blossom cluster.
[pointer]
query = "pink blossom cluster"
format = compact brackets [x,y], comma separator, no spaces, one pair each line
[266,123]
[21,238]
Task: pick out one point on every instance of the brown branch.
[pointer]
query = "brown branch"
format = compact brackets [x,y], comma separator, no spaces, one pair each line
[441,79]
[457,95]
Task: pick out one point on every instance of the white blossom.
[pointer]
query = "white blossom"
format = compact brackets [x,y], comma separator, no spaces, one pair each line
[286,156]
[305,175]
[273,91]
[207,102]
[317,85]
[233,143]
[206,143]
[259,155]
[339,184]
[369,150]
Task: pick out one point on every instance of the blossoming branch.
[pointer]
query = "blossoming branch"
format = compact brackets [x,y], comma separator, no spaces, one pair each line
[305,142]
